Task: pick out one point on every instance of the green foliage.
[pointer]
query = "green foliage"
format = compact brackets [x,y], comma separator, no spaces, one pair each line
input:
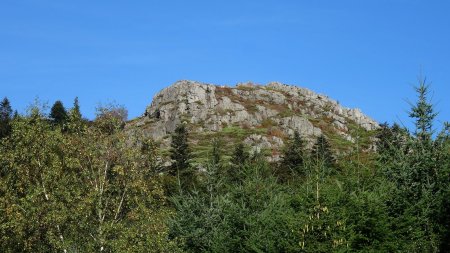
[240,156]
[58,113]
[78,192]
[111,118]
[293,157]
[423,112]
[75,123]
[93,186]
[418,168]
[216,152]
[239,159]
[75,113]
[5,118]
[240,217]
[180,154]
[321,152]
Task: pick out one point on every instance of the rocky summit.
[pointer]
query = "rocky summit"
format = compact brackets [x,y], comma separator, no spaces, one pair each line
[261,116]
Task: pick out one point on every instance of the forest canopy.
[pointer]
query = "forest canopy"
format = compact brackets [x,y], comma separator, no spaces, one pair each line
[75,185]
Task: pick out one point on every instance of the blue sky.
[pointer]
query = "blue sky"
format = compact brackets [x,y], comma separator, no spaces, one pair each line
[365,54]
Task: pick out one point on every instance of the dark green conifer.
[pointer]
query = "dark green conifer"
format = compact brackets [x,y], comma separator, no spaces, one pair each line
[76,122]
[58,113]
[75,112]
[238,159]
[5,117]
[423,112]
[391,143]
[239,155]
[216,152]
[293,154]
[321,152]
[180,153]
[414,166]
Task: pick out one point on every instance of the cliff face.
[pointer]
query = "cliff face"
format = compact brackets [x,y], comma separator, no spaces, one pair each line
[262,116]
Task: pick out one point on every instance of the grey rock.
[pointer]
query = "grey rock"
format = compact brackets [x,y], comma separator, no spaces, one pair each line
[207,107]
[300,124]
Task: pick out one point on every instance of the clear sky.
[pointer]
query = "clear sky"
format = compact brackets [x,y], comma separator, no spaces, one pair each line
[363,53]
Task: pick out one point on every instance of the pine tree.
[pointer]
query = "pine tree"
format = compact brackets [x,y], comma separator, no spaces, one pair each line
[181,155]
[391,139]
[423,112]
[293,155]
[58,113]
[443,158]
[239,155]
[5,117]
[75,120]
[75,112]
[412,163]
[321,152]
[216,152]
[233,172]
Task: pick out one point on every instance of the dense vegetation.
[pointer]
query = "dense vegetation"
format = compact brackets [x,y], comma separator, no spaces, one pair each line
[73,185]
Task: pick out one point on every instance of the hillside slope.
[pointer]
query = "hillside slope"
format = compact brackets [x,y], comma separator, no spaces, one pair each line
[262,116]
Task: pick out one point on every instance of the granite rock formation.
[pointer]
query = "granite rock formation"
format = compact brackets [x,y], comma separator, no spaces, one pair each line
[274,111]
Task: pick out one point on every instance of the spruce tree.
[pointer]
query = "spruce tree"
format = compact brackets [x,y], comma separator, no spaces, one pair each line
[384,137]
[413,164]
[76,123]
[181,155]
[5,117]
[75,112]
[239,155]
[239,158]
[293,154]
[321,152]
[58,113]
[216,152]
[423,112]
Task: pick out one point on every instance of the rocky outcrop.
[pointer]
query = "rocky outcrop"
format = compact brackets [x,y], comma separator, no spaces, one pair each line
[279,108]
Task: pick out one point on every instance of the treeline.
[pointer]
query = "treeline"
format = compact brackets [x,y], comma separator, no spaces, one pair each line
[72,185]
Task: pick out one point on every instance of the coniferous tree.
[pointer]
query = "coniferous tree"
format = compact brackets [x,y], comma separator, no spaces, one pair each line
[423,112]
[5,117]
[293,155]
[413,165]
[321,152]
[238,159]
[389,138]
[58,113]
[216,152]
[442,218]
[76,122]
[181,155]
[393,145]
[239,155]
[75,112]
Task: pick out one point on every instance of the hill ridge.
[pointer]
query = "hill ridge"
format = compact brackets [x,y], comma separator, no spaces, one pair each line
[268,113]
